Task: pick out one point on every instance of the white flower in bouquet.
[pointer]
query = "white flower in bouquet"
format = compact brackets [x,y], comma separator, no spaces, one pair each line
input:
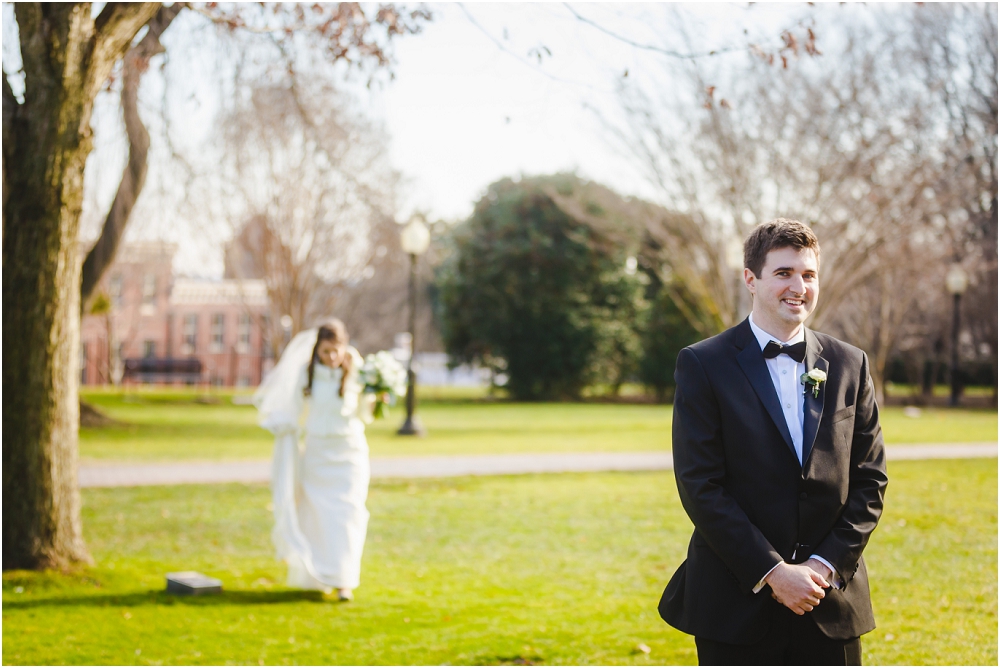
[384,377]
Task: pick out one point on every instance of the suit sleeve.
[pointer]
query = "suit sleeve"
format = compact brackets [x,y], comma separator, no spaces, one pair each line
[843,545]
[700,470]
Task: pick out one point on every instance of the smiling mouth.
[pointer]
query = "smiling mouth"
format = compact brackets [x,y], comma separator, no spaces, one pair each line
[794,302]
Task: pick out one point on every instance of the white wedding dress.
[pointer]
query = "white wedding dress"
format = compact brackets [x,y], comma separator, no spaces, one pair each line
[319,490]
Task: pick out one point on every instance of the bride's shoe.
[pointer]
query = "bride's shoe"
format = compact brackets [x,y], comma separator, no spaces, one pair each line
[345,595]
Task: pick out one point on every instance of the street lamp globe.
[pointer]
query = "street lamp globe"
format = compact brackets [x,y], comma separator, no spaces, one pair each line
[415,237]
[286,329]
[956,280]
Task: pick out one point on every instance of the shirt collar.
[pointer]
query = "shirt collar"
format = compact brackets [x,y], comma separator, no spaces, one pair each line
[763,337]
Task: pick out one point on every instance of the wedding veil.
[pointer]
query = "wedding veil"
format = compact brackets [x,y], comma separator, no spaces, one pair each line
[279,400]
[279,396]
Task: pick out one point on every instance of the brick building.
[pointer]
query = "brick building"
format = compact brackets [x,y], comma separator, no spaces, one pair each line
[166,329]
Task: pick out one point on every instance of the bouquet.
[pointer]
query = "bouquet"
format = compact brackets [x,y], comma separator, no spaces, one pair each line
[384,377]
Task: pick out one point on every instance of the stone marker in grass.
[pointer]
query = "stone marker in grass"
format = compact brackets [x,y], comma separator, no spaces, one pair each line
[192,582]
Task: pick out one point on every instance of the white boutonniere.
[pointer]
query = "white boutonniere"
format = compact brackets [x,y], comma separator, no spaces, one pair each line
[813,379]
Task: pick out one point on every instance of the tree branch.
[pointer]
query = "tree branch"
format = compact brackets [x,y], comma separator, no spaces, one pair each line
[651,47]
[137,60]
[34,50]
[523,61]
[117,17]
[114,29]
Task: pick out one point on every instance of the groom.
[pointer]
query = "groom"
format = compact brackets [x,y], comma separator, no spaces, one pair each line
[780,465]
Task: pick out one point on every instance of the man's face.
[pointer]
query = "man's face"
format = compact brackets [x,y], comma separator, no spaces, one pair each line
[785,293]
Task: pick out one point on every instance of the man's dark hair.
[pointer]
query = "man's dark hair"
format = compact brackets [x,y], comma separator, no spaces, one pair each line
[777,233]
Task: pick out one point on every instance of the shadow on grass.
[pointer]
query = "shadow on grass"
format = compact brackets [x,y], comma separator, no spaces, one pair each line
[161,598]
[516,660]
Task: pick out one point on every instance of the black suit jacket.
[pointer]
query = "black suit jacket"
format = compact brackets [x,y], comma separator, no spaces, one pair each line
[751,502]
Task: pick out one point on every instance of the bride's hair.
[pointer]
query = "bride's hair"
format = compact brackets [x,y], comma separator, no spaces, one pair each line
[331,330]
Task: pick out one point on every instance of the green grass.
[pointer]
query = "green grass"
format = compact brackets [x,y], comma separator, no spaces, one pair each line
[933,565]
[906,390]
[939,425]
[172,424]
[563,569]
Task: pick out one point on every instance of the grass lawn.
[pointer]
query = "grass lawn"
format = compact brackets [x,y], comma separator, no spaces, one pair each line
[906,390]
[177,424]
[559,569]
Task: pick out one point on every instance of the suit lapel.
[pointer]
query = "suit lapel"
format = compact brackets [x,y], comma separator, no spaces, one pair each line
[812,407]
[751,359]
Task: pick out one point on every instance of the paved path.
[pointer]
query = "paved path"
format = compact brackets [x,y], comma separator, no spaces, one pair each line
[175,473]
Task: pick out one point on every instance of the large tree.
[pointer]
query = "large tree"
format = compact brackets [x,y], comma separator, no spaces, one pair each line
[539,287]
[67,56]
[68,52]
[309,185]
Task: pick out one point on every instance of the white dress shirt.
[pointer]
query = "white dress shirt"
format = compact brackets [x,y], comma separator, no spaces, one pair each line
[785,374]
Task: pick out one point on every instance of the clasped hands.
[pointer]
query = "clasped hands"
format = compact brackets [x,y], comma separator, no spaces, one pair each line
[799,587]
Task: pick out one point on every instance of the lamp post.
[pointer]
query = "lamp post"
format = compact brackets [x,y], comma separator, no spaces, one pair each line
[956,282]
[414,239]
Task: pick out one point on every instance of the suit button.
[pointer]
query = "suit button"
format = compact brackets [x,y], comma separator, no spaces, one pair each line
[803,495]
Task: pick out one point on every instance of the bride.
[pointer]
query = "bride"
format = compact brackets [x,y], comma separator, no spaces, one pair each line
[319,490]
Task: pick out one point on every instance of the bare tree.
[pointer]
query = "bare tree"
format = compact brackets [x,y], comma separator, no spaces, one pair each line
[313,191]
[955,51]
[850,143]
[875,315]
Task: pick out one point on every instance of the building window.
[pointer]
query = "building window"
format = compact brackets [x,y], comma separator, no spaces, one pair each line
[243,342]
[148,348]
[148,295]
[115,288]
[190,334]
[218,332]
[149,289]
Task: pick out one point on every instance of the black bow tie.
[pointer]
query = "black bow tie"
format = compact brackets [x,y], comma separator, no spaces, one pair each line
[797,351]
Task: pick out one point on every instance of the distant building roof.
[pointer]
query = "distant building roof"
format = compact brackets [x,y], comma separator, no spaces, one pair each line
[139,252]
[192,291]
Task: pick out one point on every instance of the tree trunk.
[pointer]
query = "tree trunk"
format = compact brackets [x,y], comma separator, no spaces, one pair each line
[67,55]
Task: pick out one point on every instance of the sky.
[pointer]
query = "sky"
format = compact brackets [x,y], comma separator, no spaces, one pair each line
[485,91]
[469,105]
